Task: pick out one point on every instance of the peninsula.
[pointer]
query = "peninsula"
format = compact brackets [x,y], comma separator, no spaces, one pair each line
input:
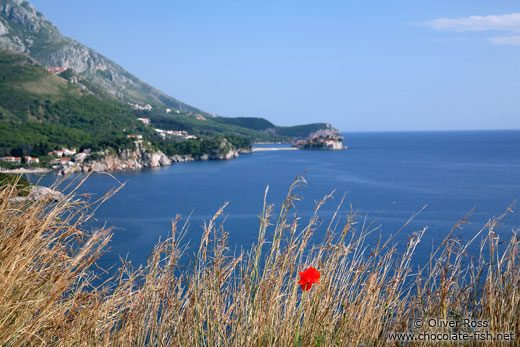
[67,107]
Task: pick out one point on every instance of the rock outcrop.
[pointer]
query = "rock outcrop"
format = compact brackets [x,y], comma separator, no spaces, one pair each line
[327,139]
[126,159]
[329,132]
[40,193]
[231,154]
[140,157]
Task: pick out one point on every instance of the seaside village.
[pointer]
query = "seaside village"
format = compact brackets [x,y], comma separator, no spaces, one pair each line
[18,160]
[62,157]
[66,157]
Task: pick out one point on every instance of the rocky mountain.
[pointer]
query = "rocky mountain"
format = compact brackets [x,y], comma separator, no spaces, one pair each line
[24,29]
[57,93]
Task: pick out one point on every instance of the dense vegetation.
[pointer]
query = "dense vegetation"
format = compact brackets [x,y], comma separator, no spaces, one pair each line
[195,147]
[208,126]
[204,145]
[21,185]
[40,112]
[9,179]
[261,124]
[247,122]
[300,130]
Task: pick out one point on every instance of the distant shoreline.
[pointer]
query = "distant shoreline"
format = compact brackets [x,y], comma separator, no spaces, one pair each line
[26,171]
[264,149]
[272,143]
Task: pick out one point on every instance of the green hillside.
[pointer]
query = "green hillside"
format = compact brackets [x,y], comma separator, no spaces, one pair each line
[95,103]
[278,132]
[24,29]
[254,123]
[41,111]
[207,126]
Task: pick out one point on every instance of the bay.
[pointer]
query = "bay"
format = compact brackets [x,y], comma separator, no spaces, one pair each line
[385,176]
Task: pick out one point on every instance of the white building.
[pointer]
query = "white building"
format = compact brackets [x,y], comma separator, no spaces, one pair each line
[12,159]
[147,107]
[69,151]
[61,161]
[31,160]
[61,152]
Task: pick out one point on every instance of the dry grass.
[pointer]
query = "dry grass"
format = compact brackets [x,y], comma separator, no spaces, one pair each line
[248,299]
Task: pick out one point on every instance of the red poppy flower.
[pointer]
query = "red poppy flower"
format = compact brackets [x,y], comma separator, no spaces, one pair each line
[308,277]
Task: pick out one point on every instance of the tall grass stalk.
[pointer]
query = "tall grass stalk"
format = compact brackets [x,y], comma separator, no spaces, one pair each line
[366,291]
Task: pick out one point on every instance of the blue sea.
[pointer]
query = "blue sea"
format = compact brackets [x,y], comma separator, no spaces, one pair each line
[387,178]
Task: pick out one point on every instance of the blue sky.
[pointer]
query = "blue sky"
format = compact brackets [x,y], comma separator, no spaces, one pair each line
[360,65]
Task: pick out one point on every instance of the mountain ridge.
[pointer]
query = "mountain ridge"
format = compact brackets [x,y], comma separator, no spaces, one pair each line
[55,91]
[24,29]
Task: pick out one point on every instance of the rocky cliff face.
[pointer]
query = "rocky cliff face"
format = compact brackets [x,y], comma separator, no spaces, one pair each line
[24,29]
[138,158]
[231,154]
[329,132]
[126,159]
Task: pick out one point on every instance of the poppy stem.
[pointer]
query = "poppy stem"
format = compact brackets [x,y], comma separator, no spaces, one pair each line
[302,312]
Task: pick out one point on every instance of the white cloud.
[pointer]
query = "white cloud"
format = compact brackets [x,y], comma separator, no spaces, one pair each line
[506,40]
[506,22]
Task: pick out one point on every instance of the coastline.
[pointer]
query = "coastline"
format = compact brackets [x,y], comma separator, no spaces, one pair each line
[265,149]
[26,171]
[128,161]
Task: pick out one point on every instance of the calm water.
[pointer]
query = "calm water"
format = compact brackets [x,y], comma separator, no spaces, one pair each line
[386,175]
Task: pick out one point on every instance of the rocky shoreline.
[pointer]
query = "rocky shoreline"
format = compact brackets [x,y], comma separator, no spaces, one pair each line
[139,158]
[145,156]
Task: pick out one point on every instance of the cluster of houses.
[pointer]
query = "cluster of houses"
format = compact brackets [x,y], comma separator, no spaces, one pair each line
[56,70]
[146,121]
[178,133]
[64,159]
[61,161]
[18,160]
[146,107]
[63,156]
[62,152]
[163,133]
